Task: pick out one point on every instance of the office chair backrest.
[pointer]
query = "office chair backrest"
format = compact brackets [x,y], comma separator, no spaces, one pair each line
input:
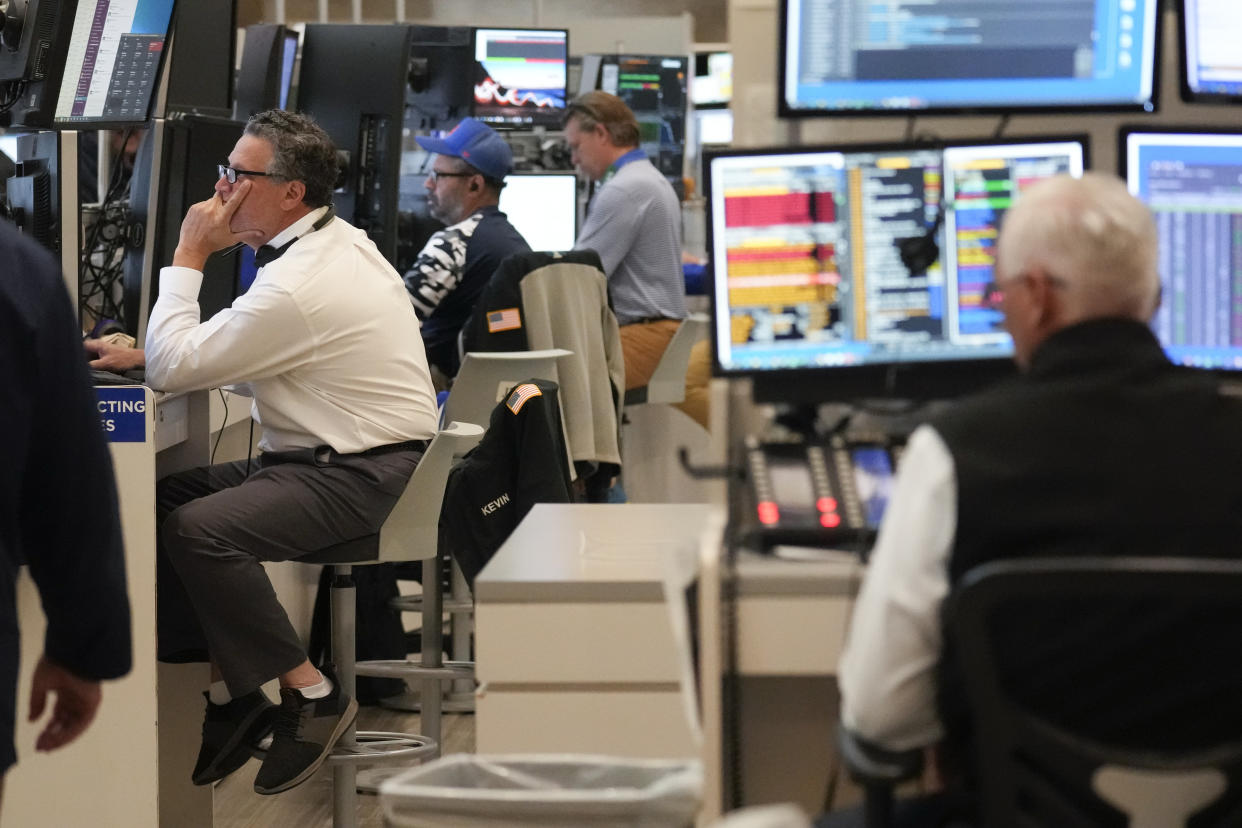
[486,376]
[1103,691]
[668,380]
[413,525]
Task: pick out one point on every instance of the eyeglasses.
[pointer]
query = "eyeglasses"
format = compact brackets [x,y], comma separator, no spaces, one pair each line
[436,175]
[993,296]
[230,173]
[994,292]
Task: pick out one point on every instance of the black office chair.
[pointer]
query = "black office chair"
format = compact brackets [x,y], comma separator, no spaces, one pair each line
[1100,691]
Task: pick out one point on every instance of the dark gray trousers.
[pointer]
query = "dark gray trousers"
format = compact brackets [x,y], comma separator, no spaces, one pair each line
[217,524]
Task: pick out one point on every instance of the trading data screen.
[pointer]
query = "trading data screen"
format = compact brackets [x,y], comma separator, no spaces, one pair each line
[1193,185]
[654,88]
[520,76]
[113,63]
[1211,32]
[981,182]
[868,55]
[808,272]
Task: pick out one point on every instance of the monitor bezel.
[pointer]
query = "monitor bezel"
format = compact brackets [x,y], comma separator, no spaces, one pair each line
[785,110]
[550,122]
[931,379]
[1125,130]
[1185,92]
[161,78]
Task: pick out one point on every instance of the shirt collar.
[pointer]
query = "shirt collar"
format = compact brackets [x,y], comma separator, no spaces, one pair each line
[635,154]
[299,228]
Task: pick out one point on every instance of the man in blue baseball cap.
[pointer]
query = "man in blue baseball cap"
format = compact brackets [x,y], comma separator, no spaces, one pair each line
[463,191]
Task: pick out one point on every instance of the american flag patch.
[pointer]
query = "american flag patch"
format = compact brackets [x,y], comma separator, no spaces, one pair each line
[520,395]
[503,320]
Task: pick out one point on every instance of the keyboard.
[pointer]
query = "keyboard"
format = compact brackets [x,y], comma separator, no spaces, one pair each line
[109,378]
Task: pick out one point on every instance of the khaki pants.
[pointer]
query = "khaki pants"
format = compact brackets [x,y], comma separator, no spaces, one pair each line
[643,344]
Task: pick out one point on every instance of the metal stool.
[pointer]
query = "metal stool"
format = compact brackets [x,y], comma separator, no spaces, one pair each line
[409,533]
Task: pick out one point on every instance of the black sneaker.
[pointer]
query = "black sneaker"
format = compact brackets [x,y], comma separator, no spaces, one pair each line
[229,732]
[306,729]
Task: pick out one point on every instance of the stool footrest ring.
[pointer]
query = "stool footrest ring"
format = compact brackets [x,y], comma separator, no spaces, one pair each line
[449,671]
[375,746]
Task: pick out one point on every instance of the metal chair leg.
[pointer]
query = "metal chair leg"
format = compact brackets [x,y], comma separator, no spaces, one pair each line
[344,775]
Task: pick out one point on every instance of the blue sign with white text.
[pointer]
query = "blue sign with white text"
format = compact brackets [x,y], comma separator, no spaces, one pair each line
[123,413]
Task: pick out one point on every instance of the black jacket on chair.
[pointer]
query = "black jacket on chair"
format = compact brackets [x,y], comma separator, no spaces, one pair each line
[521,461]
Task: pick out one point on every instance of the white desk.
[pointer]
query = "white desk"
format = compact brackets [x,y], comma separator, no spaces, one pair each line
[581,631]
[579,648]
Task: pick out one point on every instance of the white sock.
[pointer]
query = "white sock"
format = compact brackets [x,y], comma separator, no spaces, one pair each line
[218,693]
[265,743]
[317,691]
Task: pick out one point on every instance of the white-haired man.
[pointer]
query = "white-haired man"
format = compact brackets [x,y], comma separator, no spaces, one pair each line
[1068,458]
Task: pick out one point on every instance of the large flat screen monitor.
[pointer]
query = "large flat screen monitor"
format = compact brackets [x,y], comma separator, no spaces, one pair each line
[811,293]
[1211,56]
[863,57]
[520,76]
[1192,181]
[112,70]
[543,207]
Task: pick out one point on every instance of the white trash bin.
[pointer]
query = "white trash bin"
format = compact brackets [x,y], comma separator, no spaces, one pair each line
[469,791]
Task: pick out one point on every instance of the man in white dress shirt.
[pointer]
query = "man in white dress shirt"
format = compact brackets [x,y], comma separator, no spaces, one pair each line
[327,345]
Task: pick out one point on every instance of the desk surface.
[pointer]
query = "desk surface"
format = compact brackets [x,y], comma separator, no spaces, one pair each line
[578,552]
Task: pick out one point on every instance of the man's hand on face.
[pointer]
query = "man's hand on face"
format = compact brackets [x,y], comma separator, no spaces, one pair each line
[205,228]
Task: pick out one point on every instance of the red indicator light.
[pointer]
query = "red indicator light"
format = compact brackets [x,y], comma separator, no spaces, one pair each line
[830,520]
[768,513]
[826,504]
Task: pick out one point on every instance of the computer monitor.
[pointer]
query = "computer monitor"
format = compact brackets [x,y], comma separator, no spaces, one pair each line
[520,76]
[1211,71]
[33,44]
[714,126]
[654,88]
[201,59]
[32,192]
[265,76]
[842,57]
[543,207]
[288,64]
[1190,180]
[712,84]
[353,81]
[816,291]
[113,65]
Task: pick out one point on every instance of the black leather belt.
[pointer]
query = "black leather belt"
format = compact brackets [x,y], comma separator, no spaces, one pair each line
[408,445]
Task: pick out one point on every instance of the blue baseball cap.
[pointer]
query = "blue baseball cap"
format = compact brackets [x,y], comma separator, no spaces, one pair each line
[477,144]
